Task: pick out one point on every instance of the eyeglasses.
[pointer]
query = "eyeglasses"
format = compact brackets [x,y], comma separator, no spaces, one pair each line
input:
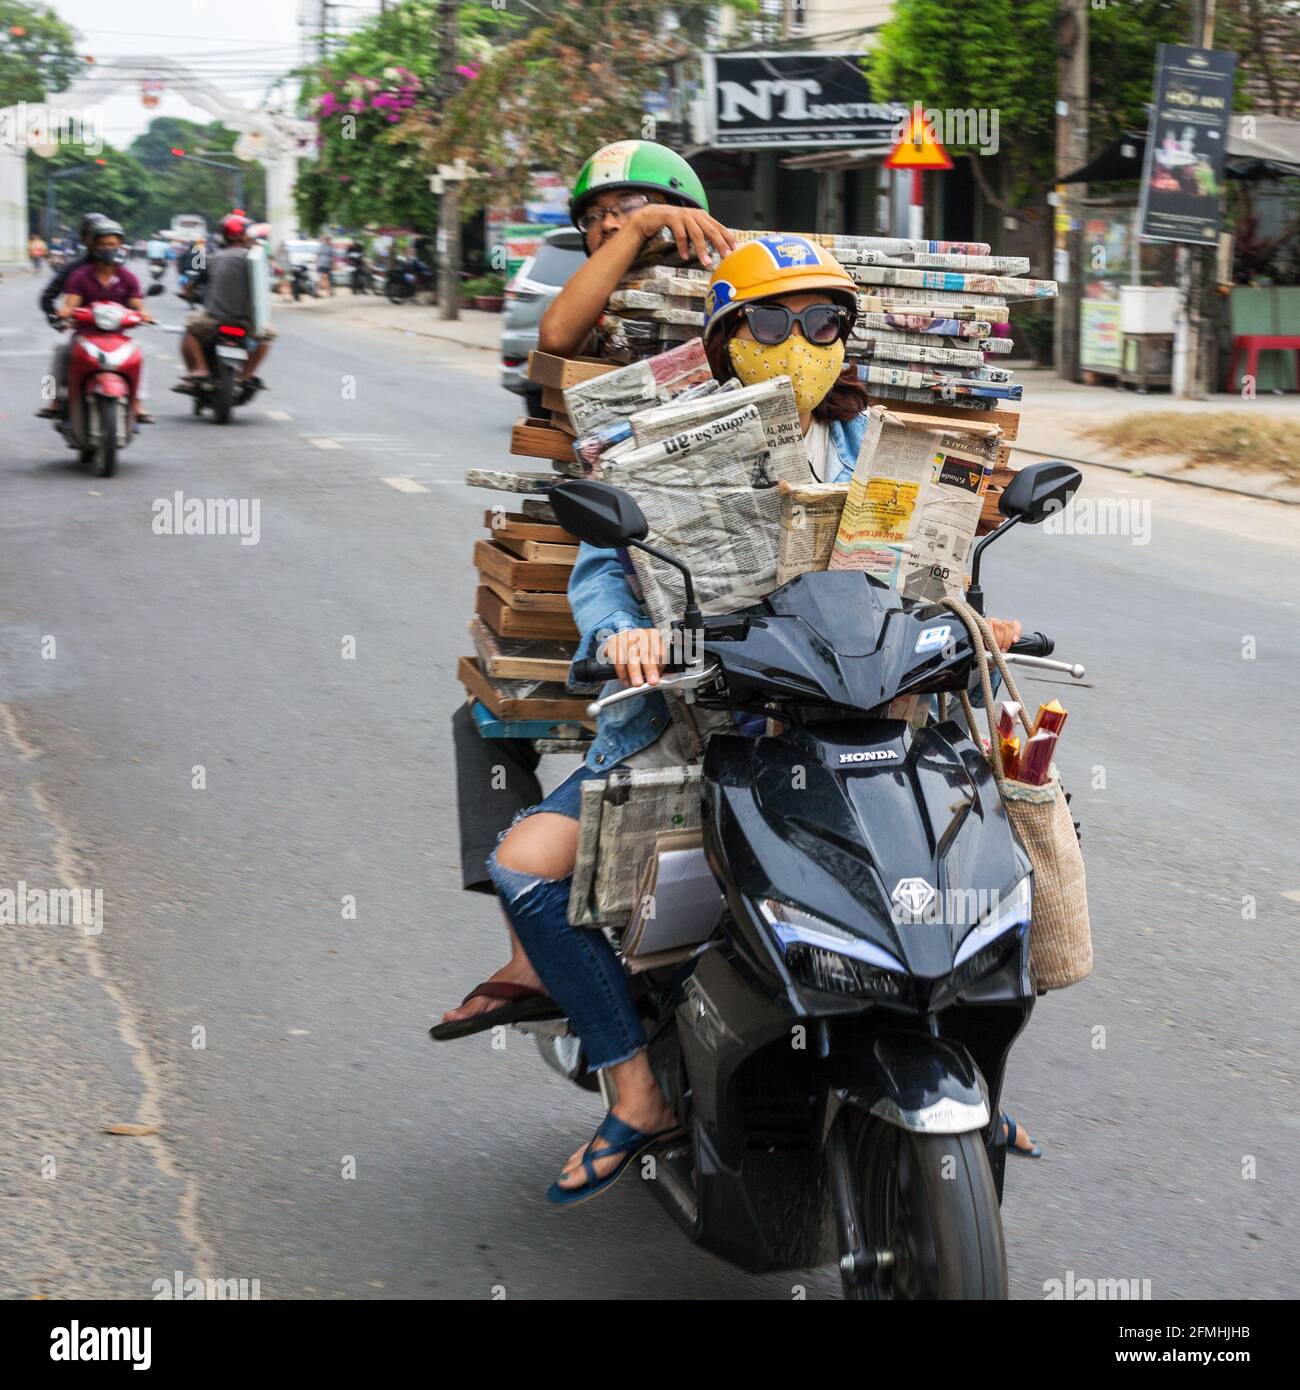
[820,323]
[625,207]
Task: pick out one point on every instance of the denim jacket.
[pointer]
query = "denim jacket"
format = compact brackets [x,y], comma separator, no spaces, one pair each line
[603,603]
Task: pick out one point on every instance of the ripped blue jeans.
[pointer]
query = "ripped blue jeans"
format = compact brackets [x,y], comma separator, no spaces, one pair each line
[577,965]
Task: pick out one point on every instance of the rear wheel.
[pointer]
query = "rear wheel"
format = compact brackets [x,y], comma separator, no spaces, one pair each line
[223,397]
[928,1202]
[109,408]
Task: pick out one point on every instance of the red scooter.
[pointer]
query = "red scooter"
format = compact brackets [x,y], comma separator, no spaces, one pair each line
[103,382]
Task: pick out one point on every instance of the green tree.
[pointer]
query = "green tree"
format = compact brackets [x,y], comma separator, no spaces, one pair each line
[549,97]
[110,182]
[1000,55]
[182,184]
[372,164]
[38,53]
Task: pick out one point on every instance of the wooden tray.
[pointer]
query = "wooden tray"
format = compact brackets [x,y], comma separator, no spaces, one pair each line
[507,621]
[539,439]
[504,706]
[522,600]
[508,569]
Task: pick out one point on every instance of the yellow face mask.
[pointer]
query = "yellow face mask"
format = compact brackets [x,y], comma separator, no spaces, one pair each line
[811,368]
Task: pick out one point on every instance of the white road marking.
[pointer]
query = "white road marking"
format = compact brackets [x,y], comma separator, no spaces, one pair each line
[1291,895]
[405,484]
[323,443]
[280,415]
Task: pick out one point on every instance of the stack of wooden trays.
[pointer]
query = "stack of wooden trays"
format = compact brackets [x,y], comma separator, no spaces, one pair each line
[523,633]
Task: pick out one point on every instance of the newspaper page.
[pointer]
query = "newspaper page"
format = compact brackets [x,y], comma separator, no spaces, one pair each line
[914,502]
[616,395]
[710,497]
[810,521]
[971,283]
[776,407]
[620,818]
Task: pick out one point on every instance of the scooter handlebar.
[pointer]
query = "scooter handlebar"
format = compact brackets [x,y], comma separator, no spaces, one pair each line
[1033,644]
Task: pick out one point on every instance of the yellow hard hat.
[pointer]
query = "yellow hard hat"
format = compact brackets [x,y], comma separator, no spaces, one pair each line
[771,265]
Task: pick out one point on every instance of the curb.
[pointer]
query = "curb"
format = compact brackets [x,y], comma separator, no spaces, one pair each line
[1163,477]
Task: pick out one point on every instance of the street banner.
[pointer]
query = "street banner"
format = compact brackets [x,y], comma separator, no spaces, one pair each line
[1182,173]
[769,100]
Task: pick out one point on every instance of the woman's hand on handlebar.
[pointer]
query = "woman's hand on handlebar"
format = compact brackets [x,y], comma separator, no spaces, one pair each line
[1005,632]
[637,655]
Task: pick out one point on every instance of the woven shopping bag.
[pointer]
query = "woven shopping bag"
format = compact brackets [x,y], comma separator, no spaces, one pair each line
[1060,937]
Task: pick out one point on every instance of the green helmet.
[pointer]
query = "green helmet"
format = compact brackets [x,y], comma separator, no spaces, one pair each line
[637,164]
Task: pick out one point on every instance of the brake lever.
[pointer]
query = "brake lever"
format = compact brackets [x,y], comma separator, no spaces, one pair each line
[1044,663]
[682,680]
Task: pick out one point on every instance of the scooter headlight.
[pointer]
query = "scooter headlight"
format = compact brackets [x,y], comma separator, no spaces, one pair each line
[108,317]
[985,948]
[826,957]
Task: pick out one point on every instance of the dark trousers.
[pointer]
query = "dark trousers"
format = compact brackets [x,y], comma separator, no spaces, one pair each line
[496,778]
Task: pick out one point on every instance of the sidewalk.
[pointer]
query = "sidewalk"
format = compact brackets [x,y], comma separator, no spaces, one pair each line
[473,329]
[1055,415]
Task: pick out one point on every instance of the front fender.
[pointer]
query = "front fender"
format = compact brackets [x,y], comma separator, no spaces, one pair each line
[108,384]
[914,1081]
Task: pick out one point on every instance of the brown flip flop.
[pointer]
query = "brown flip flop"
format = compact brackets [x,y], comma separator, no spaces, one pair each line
[523,1003]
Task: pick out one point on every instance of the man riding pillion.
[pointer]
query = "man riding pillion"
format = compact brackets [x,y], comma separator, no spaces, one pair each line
[227,298]
[625,193]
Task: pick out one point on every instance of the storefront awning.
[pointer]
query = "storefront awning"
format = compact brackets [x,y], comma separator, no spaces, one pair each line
[1258,147]
[837,161]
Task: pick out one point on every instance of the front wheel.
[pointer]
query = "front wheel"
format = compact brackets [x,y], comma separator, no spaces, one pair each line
[106,445]
[928,1204]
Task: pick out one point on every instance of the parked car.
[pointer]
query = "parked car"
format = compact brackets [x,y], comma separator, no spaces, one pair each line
[536,283]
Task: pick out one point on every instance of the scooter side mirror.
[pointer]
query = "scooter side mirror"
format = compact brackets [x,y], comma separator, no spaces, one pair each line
[1039,490]
[155,288]
[598,513]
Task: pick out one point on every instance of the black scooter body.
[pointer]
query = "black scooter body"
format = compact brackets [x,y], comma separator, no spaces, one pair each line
[829,816]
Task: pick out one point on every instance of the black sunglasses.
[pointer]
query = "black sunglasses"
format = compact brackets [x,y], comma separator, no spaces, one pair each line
[820,323]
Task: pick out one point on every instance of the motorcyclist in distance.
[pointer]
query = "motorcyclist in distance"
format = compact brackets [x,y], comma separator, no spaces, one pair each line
[102,278]
[227,298]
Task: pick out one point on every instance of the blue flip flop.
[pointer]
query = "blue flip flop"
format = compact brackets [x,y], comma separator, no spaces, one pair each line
[1012,1146]
[619,1138]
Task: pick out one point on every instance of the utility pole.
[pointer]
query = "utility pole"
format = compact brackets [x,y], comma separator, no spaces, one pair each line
[449,201]
[1196,264]
[1071,153]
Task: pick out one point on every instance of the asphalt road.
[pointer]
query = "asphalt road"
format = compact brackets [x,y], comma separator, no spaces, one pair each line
[1153,1086]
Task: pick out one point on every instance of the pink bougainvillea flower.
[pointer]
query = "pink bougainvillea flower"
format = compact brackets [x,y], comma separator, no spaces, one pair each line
[464,70]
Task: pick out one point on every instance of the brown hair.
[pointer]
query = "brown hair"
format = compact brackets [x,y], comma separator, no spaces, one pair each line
[846,400]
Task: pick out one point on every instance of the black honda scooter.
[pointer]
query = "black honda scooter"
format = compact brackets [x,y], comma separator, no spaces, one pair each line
[836,1047]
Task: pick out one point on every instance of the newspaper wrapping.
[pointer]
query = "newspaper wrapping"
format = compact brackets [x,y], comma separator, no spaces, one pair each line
[710,498]
[914,502]
[776,407]
[987,306]
[969,399]
[944,260]
[881,347]
[810,521]
[971,283]
[922,324]
[616,395]
[932,306]
[619,819]
[897,338]
[506,480]
[842,246]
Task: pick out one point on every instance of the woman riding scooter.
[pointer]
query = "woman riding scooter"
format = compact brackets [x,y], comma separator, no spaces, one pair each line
[777,307]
